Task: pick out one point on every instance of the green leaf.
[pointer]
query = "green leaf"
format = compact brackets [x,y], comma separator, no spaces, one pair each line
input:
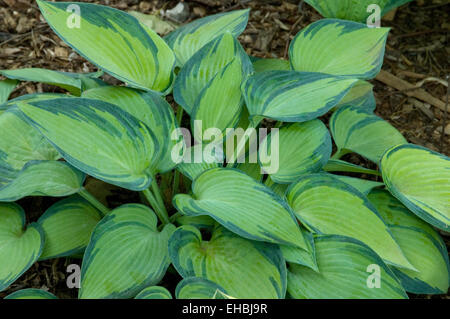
[6,87]
[339,47]
[302,147]
[351,10]
[126,253]
[261,65]
[31,293]
[154,292]
[198,288]
[364,133]
[360,95]
[300,256]
[149,108]
[243,205]
[422,245]
[334,165]
[98,138]
[290,96]
[200,70]
[190,38]
[219,105]
[419,178]
[30,98]
[326,205]
[363,185]
[114,41]
[191,167]
[20,245]
[68,225]
[20,143]
[244,268]
[67,81]
[344,272]
[42,178]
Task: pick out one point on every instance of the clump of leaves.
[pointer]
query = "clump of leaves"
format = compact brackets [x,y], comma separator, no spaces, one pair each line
[297,231]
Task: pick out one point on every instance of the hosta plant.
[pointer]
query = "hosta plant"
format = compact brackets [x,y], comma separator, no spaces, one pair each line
[237,210]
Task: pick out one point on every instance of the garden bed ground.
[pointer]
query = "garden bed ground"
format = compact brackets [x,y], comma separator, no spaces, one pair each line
[417,51]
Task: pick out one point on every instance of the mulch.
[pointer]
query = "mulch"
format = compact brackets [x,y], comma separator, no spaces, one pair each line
[417,51]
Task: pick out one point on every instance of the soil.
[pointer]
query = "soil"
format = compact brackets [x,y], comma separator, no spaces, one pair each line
[417,51]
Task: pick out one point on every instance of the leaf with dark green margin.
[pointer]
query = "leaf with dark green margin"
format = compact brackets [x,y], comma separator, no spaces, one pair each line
[345,269]
[68,225]
[355,130]
[190,38]
[114,41]
[199,288]
[360,95]
[290,96]
[300,256]
[98,138]
[42,178]
[154,292]
[244,268]
[20,245]
[339,47]
[351,10]
[302,148]
[203,67]
[31,293]
[362,185]
[191,166]
[126,253]
[422,245]
[243,205]
[326,205]
[419,178]
[149,108]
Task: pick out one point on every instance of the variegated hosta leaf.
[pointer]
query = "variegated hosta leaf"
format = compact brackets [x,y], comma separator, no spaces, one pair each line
[293,96]
[98,138]
[351,10]
[219,105]
[65,80]
[419,178]
[149,108]
[422,245]
[300,256]
[199,288]
[204,65]
[42,178]
[190,38]
[360,95]
[6,87]
[279,189]
[339,47]
[261,65]
[19,144]
[114,41]
[154,292]
[31,293]
[348,269]
[192,166]
[244,268]
[358,131]
[326,205]
[243,205]
[31,98]
[20,245]
[302,148]
[430,257]
[335,165]
[200,222]
[126,253]
[363,185]
[68,225]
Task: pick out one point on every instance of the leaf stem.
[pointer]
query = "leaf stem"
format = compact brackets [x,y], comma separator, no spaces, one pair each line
[339,153]
[156,207]
[93,201]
